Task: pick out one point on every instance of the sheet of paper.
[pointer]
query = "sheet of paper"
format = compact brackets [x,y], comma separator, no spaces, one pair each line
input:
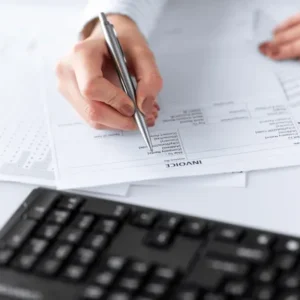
[25,154]
[219,115]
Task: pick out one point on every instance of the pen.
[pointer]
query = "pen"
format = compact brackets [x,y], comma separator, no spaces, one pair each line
[119,59]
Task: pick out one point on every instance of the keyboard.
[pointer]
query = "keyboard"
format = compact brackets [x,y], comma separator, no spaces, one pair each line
[65,246]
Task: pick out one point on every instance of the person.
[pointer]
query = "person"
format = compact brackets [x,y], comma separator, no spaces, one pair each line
[87,78]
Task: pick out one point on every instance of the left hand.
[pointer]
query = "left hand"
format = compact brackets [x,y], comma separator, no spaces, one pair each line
[286,41]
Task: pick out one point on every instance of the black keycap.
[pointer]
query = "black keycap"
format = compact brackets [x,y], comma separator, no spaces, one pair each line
[204,277]
[119,296]
[266,275]
[193,228]
[213,296]
[105,278]
[159,238]
[251,254]
[164,274]
[289,281]
[5,256]
[49,267]
[109,227]
[285,261]
[61,251]
[289,296]
[130,284]
[19,234]
[84,222]
[59,217]
[187,293]
[93,292]
[155,289]
[48,231]
[105,209]
[227,266]
[36,246]
[71,235]
[96,241]
[70,203]
[229,234]
[288,245]
[84,256]
[236,288]
[116,263]
[144,219]
[25,262]
[74,272]
[138,268]
[264,293]
[40,208]
[169,222]
[259,239]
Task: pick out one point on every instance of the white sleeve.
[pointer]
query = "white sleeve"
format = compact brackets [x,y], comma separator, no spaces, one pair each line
[145,13]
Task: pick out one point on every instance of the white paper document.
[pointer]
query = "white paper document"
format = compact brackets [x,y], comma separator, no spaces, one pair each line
[221,112]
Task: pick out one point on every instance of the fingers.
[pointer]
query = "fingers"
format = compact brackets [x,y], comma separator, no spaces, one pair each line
[141,60]
[294,20]
[87,63]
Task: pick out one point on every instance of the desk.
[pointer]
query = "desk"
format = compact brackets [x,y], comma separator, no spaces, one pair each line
[271,201]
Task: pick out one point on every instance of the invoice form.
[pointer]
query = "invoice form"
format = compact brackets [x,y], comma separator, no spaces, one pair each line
[221,112]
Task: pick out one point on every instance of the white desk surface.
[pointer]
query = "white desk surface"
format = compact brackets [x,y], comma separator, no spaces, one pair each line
[271,201]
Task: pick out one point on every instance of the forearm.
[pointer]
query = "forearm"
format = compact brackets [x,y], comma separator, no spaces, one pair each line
[144,13]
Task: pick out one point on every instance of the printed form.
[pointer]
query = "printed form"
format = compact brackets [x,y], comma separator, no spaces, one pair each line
[221,113]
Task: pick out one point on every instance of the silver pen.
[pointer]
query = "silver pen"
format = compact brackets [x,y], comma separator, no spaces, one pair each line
[119,59]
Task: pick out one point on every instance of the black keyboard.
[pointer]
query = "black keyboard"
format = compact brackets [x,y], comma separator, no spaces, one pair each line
[65,246]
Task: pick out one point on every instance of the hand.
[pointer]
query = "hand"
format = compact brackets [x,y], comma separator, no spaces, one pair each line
[88,80]
[286,41]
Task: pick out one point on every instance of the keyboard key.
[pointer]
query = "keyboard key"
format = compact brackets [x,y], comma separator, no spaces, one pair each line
[144,219]
[229,234]
[25,262]
[74,272]
[159,238]
[288,245]
[49,267]
[169,222]
[266,275]
[96,241]
[156,289]
[228,267]
[264,293]
[36,246]
[119,296]
[5,256]
[71,203]
[105,209]
[71,235]
[116,263]
[236,288]
[289,281]
[61,251]
[40,208]
[164,274]
[84,256]
[105,278]
[285,261]
[84,222]
[48,231]
[138,268]
[130,284]
[144,298]
[213,296]
[259,239]
[19,234]
[193,228]
[108,227]
[59,217]
[254,255]
[289,296]
[187,293]
[93,292]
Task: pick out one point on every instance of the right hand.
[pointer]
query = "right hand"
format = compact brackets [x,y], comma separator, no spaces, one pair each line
[88,80]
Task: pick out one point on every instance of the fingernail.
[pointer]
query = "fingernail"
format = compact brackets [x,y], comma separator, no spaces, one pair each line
[127,110]
[147,105]
[263,48]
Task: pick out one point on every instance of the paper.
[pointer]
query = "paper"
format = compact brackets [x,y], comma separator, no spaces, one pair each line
[25,154]
[219,115]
